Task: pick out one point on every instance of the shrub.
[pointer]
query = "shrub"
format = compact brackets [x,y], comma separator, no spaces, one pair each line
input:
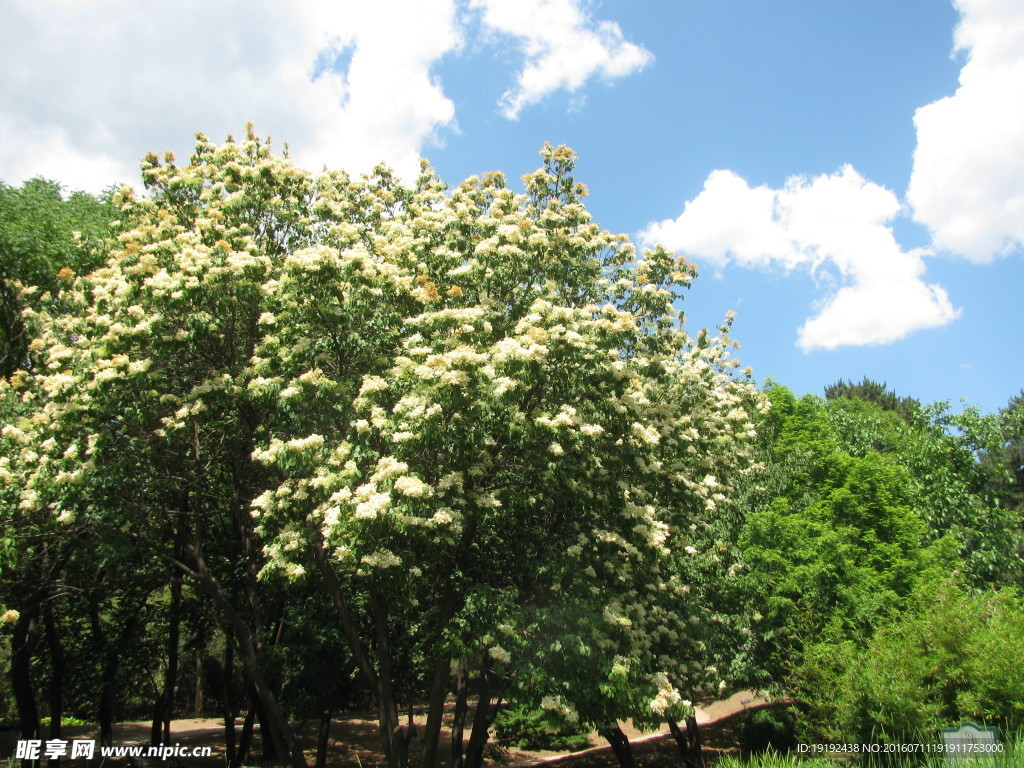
[517,726]
[768,729]
[957,658]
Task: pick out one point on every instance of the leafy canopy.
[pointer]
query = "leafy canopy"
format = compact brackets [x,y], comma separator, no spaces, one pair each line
[473,409]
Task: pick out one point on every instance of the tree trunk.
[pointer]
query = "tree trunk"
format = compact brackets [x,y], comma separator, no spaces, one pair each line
[23,641]
[229,704]
[106,715]
[440,683]
[173,641]
[280,728]
[56,676]
[483,717]
[688,741]
[197,695]
[620,745]
[693,736]
[381,684]
[156,728]
[269,734]
[113,652]
[459,720]
[323,739]
[245,739]
[395,738]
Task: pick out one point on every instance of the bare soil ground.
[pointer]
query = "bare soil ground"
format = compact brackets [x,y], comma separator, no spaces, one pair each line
[355,741]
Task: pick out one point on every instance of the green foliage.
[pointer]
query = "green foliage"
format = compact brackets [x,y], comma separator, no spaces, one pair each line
[1003,457]
[767,729]
[1011,757]
[857,511]
[872,391]
[518,726]
[834,540]
[775,759]
[473,416]
[957,657]
[46,240]
[857,506]
[959,491]
[66,720]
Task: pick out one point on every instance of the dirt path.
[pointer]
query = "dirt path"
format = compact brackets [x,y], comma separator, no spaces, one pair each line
[354,741]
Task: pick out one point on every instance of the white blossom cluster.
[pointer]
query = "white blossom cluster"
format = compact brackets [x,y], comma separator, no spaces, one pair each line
[432,382]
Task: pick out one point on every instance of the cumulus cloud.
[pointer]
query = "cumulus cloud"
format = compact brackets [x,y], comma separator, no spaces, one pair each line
[836,224]
[89,87]
[967,184]
[563,46]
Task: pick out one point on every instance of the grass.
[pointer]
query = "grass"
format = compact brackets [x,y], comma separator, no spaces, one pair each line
[1011,757]
[772,759]
[44,722]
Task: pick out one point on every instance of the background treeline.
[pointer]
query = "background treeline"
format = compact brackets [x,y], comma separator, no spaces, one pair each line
[871,562]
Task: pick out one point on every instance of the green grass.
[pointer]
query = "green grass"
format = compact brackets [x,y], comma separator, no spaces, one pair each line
[1011,757]
[44,722]
[772,759]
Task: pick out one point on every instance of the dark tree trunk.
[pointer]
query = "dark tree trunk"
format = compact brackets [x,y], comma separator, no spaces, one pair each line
[459,719]
[269,735]
[441,682]
[483,717]
[166,709]
[197,694]
[156,729]
[112,655]
[395,738]
[280,728]
[108,691]
[439,685]
[23,641]
[56,676]
[245,739]
[693,736]
[229,703]
[323,738]
[688,741]
[620,745]
[274,747]
[106,715]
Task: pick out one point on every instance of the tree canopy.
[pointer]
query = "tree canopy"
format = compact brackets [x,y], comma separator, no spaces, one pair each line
[473,416]
[362,439]
[46,239]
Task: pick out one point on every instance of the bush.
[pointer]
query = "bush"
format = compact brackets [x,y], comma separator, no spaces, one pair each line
[768,729]
[517,726]
[958,658]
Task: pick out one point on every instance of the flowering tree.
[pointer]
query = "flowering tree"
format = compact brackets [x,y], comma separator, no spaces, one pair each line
[141,426]
[472,415]
[45,240]
[523,424]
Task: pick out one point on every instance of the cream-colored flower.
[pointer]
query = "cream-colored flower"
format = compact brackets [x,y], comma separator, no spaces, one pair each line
[498,653]
[412,487]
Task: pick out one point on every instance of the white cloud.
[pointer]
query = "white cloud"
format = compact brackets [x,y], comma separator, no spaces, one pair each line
[89,87]
[967,184]
[839,221]
[564,48]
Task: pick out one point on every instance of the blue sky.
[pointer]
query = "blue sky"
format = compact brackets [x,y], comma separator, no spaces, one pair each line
[849,177]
